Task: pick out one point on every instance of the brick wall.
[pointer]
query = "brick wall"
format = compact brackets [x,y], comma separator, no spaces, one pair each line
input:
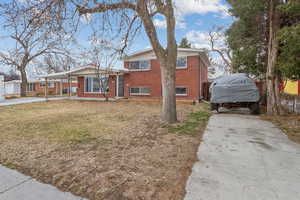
[188,77]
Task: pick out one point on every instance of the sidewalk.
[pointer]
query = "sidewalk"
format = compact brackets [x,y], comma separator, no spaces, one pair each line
[25,100]
[16,186]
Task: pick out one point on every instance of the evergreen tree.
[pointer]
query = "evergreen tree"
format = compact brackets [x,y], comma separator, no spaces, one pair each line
[265,41]
[185,43]
[247,36]
[289,40]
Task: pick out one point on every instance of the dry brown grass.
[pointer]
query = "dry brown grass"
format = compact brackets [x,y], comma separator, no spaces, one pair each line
[289,123]
[100,150]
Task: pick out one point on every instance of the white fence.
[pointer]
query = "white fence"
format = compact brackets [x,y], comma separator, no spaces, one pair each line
[2,88]
[291,103]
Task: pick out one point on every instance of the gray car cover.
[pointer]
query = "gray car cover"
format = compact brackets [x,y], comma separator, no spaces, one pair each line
[234,88]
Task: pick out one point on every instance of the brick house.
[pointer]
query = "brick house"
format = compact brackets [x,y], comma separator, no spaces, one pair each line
[144,77]
[141,77]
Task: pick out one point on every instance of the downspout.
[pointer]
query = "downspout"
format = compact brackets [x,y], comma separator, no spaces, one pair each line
[117,86]
[200,79]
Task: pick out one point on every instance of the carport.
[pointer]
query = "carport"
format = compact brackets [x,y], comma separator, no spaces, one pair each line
[59,76]
[89,70]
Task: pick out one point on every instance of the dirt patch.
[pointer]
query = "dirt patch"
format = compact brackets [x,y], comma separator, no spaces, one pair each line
[290,124]
[102,150]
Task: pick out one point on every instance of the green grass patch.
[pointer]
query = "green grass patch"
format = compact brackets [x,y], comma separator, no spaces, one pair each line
[191,125]
[74,135]
[8,164]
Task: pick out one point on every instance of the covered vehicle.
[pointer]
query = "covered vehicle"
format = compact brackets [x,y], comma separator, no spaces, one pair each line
[235,90]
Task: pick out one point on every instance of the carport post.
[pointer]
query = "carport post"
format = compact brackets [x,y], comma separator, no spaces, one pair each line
[117,85]
[69,81]
[61,87]
[46,88]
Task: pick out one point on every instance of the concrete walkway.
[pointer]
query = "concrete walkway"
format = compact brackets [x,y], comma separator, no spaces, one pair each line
[25,100]
[245,158]
[16,186]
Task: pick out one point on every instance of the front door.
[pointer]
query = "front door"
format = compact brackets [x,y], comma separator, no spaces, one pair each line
[120,86]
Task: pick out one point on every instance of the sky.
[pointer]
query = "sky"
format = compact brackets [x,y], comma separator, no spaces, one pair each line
[194,18]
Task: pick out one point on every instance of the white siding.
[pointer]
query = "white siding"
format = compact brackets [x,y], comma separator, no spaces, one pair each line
[2,89]
[12,88]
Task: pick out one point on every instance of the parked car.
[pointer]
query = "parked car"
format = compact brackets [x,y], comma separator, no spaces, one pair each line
[235,90]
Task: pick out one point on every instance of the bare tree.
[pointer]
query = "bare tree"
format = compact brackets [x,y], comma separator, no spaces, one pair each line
[122,19]
[104,58]
[54,63]
[218,44]
[33,35]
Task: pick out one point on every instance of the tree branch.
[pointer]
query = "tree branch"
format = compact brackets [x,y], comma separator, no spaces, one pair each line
[102,7]
[143,12]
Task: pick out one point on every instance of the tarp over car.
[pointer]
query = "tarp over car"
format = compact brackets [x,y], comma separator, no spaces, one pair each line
[234,88]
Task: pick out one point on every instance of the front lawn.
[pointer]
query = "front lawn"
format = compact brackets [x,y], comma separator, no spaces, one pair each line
[103,150]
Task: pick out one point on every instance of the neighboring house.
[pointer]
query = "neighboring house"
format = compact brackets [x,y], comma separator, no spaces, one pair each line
[292,87]
[12,88]
[141,77]
[37,87]
[2,89]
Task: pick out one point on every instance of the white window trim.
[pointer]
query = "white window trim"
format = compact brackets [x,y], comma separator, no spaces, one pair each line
[91,86]
[51,83]
[30,89]
[182,95]
[139,94]
[186,66]
[138,70]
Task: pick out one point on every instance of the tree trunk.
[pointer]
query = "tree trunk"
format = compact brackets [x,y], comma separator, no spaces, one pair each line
[23,82]
[168,76]
[273,77]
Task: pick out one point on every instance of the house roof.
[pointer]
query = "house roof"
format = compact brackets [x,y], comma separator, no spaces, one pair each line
[81,71]
[201,52]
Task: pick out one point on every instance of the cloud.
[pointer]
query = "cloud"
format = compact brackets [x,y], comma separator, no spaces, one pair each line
[201,39]
[160,23]
[188,7]
[180,24]
[86,19]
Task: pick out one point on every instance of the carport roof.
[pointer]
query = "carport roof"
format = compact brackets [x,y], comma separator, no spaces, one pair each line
[82,71]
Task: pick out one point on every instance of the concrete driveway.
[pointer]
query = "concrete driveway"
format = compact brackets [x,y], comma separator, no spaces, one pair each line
[245,158]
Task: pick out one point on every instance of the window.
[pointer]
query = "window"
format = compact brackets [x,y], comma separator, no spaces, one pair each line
[181,91]
[30,87]
[139,65]
[181,62]
[139,91]
[96,84]
[50,84]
